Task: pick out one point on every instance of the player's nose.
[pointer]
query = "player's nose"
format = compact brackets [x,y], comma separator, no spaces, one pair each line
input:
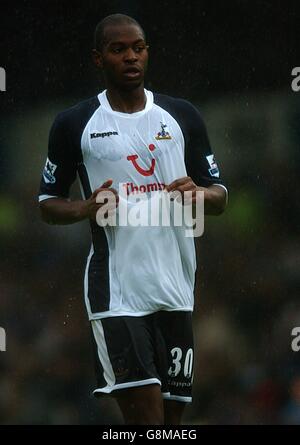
[130,55]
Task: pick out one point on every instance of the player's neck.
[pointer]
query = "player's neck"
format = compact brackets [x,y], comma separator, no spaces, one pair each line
[127,101]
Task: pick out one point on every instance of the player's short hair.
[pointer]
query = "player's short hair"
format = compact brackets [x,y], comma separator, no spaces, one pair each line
[114,20]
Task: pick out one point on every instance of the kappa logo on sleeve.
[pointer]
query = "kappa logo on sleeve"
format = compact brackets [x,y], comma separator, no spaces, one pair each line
[49,171]
[214,169]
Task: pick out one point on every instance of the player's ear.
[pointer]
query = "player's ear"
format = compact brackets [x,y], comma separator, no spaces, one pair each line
[97,57]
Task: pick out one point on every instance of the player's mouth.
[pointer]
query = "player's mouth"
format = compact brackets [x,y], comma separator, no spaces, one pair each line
[132,73]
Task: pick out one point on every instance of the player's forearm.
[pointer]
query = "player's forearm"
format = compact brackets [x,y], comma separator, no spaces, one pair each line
[63,212]
[215,200]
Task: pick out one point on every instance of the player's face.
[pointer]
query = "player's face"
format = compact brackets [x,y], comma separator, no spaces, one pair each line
[124,57]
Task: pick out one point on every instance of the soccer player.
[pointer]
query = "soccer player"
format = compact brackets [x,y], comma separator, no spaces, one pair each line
[139,281]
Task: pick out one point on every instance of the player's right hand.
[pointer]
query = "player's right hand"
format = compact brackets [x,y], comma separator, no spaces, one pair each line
[108,193]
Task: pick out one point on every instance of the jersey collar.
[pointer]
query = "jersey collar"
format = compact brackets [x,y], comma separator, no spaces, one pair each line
[106,105]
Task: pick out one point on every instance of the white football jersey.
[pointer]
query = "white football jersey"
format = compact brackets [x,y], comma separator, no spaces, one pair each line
[132,271]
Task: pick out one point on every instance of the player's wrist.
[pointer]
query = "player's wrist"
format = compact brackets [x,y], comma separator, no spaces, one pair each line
[80,210]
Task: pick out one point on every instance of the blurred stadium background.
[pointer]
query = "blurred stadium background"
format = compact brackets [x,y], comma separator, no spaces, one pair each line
[234,61]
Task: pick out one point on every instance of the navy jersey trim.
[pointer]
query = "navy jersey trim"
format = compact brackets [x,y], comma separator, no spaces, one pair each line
[98,282]
[65,160]
[64,148]
[198,153]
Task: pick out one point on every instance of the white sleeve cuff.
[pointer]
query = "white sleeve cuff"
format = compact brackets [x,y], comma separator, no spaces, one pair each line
[223,187]
[44,197]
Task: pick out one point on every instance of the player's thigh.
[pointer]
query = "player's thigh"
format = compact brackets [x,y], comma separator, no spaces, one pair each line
[173,412]
[141,405]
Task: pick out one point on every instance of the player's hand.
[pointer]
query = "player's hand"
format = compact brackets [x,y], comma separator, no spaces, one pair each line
[185,185]
[108,192]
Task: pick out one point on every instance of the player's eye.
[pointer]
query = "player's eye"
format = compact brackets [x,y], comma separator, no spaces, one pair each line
[116,50]
[140,48]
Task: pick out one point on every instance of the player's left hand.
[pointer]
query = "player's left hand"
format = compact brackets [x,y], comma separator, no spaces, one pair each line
[185,185]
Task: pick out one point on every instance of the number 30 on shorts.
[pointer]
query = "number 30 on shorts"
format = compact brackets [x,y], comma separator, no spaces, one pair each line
[177,363]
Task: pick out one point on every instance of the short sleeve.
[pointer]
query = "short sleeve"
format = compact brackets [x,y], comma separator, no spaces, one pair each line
[200,161]
[61,167]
